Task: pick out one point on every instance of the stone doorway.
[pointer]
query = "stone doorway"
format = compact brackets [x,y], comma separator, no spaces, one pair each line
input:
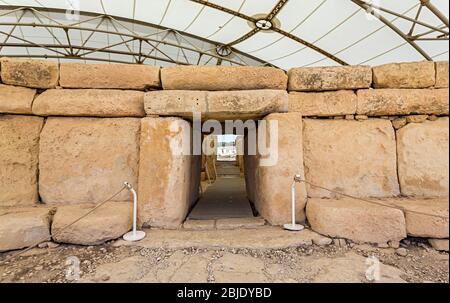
[169,181]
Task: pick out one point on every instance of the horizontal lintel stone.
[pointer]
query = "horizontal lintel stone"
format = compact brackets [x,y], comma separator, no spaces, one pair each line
[334,103]
[16,100]
[381,102]
[329,78]
[90,103]
[30,73]
[219,105]
[222,78]
[405,75]
[111,76]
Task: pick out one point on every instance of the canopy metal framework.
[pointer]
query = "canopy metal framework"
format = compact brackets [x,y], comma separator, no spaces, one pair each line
[282,37]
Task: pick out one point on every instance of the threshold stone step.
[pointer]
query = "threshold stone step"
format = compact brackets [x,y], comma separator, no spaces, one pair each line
[224,224]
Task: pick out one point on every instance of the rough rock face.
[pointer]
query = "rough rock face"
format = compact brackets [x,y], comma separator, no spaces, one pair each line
[30,73]
[89,102]
[164,172]
[275,172]
[439,244]
[86,160]
[108,222]
[420,225]
[356,220]
[216,105]
[386,102]
[329,78]
[353,157]
[222,78]
[20,228]
[19,151]
[423,165]
[16,100]
[323,104]
[442,74]
[118,76]
[405,75]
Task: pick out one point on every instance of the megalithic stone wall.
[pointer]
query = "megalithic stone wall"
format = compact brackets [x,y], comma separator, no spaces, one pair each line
[71,133]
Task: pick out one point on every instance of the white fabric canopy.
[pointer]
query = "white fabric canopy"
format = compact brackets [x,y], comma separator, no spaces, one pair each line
[299,32]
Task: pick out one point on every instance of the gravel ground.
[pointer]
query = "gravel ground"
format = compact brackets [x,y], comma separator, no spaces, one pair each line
[414,262]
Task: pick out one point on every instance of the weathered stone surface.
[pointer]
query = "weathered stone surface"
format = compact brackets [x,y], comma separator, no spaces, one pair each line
[246,104]
[418,223]
[164,172]
[30,73]
[329,78]
[108,222]
[353,157]
[405,75]
[236,223]
[441,74]
[439,244]
[423,165]
[16,100]
[86,160]
[356,220]
[386,102]
[199,224]
[19,150]
[399,122]
[216,105]
[89,102]
[181,103]
[276,170]
[116,76]
[23,227]
[323,104]
[416,118]
[222,78]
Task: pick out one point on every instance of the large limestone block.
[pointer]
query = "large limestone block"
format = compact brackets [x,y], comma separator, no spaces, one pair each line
[178,103]
[110,221]
[164,172]
[19,151]
[427,218]
[276,170]
[441,74]
[118,76]
[405,75]
[86,160]
[222,78]
[216,105]
[16,100]
[356,220]
[30,73]
[423,165]
[89,102]
[439,244]
[23,227]
[353,157]
[337,103]
[387,102]
[329,78]
[246,104]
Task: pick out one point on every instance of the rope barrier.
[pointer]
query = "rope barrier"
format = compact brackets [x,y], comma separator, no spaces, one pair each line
[373,202]
[62,229]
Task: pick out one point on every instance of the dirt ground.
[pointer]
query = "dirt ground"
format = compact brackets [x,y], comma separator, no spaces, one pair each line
[111,263]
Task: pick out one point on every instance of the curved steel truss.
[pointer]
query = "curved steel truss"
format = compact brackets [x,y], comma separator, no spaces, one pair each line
[102,37]
[122,40]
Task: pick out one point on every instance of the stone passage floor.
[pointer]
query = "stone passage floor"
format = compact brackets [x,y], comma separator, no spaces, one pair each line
[226,198]
[304,263]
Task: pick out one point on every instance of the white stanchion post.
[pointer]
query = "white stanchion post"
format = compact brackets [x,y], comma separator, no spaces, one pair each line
[134,235]
[293,226]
